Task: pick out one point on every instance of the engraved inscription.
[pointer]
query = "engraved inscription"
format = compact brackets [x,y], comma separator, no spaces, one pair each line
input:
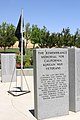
[53,82]
[53,86]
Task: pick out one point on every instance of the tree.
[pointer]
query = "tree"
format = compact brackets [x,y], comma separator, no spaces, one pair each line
[59,40]
[11,39]
[7,35]
[66,37]
[27,33]
[35,35]
[77,38]
[52,40]
[44,38]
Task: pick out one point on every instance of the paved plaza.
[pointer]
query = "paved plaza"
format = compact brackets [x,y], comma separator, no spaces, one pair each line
[19,108]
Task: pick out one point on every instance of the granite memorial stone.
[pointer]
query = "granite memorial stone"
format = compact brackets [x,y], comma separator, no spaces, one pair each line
[51,97]
[74,78]
[8,67]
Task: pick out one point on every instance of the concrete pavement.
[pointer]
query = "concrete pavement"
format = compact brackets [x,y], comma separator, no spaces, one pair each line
[17,108]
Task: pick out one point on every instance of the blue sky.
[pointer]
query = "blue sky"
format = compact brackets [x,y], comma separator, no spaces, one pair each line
[54,14]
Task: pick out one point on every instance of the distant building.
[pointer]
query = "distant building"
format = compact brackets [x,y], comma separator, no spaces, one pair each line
[29,45]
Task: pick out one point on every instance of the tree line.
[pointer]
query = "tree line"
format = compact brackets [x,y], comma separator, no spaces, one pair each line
[40,36]
[45,39]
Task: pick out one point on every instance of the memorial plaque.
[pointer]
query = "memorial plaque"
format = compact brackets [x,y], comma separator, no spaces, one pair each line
[8,67]
[74,78]
[51,97]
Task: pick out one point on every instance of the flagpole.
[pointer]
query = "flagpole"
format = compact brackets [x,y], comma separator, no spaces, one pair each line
[22,49]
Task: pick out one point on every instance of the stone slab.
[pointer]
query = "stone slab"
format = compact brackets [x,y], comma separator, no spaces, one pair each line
[8,67]
[74,78]
[51,94]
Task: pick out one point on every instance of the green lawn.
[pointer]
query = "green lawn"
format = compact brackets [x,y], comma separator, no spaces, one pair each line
[16,50]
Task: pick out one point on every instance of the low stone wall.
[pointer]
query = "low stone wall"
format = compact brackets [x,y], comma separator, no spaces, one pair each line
[26,72]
